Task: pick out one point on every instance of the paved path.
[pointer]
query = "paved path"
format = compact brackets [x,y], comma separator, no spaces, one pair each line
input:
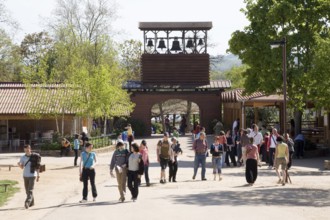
[58,192]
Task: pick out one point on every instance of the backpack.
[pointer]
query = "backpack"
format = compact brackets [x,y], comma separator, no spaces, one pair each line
[35,160]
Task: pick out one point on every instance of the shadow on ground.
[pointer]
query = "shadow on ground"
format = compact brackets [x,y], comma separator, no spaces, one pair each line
[268,196]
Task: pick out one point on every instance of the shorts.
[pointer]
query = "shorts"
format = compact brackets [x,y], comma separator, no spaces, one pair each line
[163,163]
[280,162]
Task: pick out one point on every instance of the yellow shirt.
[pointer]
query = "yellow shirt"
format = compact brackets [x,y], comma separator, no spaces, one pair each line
[129,131]
[281,148]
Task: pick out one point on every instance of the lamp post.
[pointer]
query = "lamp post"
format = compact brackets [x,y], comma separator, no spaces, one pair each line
[277,44]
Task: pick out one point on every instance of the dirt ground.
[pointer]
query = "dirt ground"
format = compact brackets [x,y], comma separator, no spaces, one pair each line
[59,190]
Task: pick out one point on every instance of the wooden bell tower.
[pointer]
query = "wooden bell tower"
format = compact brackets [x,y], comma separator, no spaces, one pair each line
[175,53]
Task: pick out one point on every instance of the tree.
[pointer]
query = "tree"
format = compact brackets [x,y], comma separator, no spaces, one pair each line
[319,75]
[34,47]
[9,59]
[130,54]
[298,20]
[236,76]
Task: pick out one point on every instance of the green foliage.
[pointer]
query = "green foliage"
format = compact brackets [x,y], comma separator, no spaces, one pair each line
[237,76]
[9,59]
[51,145]
[11,190]
[319,75]
[95,132]
[130,54]
[300,21]
[158,127]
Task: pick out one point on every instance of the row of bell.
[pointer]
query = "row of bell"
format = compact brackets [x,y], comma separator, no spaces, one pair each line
[175,44]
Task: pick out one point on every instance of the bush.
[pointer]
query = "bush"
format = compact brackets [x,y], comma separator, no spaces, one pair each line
[158,128]
[51,146]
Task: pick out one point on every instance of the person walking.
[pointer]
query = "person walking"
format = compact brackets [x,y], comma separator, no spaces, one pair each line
[173,165]
[145,157]
[75,148]
[290,143]
[271,145]
[130,135]
[83,141]
[200,147]
[299,143]
[134,171]
[230,150]
[164,155]
[119,163]
[30,163]
[281,159]
[87,171]
[252,158]
[216,151]
[223,142]
[257,137]
[244,142]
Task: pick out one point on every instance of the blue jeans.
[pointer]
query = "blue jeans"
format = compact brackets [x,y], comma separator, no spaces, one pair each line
[199,159]
[217,164]
[146,173]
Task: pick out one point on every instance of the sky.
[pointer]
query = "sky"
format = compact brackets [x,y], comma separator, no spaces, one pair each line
[225,16]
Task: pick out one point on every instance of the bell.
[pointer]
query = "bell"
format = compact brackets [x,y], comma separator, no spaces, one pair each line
[200,42]
[190,44]
[161,44]
[176,45]
[150,43]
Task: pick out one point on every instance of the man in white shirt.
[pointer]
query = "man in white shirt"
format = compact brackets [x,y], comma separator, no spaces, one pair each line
[257,136]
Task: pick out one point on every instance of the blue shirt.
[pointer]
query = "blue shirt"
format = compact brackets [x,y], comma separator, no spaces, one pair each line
[91,160]
[76,144]
[299,137]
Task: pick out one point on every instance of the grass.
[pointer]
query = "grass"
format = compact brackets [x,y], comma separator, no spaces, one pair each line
[11,190]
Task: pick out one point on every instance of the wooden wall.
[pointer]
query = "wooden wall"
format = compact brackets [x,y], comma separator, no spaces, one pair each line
[175,69]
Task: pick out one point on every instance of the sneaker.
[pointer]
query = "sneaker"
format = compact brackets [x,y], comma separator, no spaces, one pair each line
[122,199]
[193,177]
[26,204]
[83,201]
[148,184]
[161,181]
[204,179]
[134,199]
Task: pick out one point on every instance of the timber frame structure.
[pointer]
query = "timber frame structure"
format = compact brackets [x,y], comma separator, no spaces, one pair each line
[179,72]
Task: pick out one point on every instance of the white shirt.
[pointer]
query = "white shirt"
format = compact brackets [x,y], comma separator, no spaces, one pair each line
[257,137]
[273,142]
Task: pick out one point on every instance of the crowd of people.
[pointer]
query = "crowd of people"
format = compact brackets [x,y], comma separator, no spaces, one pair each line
[235,147]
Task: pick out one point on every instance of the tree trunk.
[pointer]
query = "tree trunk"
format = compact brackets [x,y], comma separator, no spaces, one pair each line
[160,105]
[63,122]
[57,127]
[105,126]
[188,118]
[297,122]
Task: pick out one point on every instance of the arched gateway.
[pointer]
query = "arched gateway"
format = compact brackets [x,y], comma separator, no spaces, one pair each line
[175,65]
